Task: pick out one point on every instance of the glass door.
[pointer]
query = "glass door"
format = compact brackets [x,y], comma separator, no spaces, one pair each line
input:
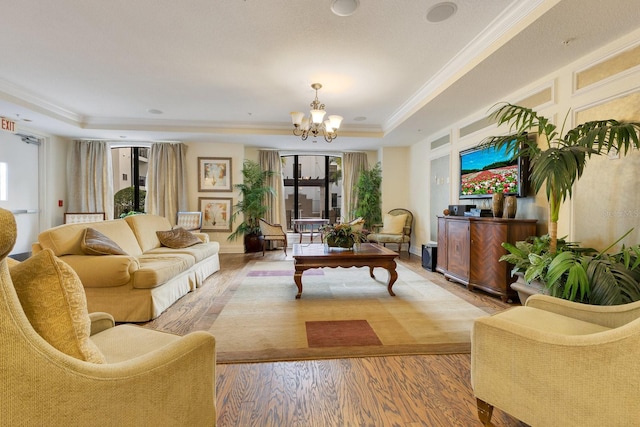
[312,187]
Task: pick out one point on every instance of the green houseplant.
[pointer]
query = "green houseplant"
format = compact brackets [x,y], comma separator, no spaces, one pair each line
[558,158]
[341,235]
[576,273]
[252,206]
[369,196]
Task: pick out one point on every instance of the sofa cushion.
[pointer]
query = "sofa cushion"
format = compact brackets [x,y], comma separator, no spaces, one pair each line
[53,300]
[66,239]
[157,269]
[199,252]
[103,271]
[177,238]
[96,243]
[393,224]
[144,228]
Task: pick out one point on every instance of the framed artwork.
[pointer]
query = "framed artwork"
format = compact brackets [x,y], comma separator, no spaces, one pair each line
[214,174]
[216,213]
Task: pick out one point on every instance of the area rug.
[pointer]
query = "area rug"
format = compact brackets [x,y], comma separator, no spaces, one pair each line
[343,312]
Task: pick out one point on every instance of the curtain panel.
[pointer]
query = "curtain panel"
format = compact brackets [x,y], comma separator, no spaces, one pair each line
[166,181]
[270,161]
[90,178]
[352,165]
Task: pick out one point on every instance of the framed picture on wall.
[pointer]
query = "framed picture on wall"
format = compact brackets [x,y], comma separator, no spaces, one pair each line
[214,174]
[216,212]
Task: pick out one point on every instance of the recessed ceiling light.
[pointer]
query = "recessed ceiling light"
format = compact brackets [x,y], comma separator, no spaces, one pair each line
[441,11]
[154,111]
[359,119]
[344,7]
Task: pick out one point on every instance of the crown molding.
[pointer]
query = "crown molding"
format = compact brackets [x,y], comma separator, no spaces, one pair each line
[471,55]
[19,96]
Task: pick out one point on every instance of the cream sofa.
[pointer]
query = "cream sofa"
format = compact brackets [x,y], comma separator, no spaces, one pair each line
[125,375]
[140,285]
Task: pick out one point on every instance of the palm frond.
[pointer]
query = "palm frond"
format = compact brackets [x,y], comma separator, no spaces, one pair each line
[558,168]
[602,136]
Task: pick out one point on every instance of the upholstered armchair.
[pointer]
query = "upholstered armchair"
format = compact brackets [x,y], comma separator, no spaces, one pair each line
[62,366]
[272,233]
[554,362]
[190,221]
[396,229]
[80,217]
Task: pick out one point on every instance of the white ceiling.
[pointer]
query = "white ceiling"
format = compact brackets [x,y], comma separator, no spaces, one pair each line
[232,70]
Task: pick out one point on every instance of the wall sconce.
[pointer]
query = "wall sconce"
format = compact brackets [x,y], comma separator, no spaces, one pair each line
[4,181]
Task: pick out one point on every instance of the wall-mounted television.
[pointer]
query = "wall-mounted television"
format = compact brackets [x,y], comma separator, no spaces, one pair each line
[484,171]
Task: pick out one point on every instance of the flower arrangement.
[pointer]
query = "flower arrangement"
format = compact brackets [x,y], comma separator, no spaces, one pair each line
[343,235]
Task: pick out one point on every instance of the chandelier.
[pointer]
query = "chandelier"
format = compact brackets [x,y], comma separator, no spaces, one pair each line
[313,125]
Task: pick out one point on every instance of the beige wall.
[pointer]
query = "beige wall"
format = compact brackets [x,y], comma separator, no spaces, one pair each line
[237,154]
[582,219]
[55,168]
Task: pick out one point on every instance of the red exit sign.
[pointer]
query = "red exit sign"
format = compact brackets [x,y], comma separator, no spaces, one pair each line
[8,125]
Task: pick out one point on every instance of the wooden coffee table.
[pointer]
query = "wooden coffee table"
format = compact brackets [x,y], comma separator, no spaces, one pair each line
[367,255]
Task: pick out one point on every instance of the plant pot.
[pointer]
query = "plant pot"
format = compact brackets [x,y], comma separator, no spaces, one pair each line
[525,290]
[252,243]
[340,242]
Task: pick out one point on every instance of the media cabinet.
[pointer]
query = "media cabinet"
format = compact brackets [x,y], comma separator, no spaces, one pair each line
[469,249]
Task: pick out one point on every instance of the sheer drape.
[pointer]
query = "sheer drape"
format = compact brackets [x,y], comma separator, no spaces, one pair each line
[270,161]
[90,178]
[166,181]
[352,165]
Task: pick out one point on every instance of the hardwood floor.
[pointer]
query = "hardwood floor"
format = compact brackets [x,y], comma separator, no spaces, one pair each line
[429,390]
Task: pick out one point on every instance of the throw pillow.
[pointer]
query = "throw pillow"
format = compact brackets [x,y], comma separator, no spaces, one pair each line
[177,238]
[393,224]
[96,243]
[53,299]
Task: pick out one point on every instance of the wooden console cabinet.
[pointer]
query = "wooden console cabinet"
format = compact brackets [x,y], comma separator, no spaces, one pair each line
[469,249]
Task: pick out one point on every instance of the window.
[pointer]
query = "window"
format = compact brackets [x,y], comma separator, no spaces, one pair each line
[129,196]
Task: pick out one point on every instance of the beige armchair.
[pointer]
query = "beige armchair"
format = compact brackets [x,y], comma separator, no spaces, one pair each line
[558,363]
[190,221]
[272,233]
[127,376]
[393,230]
[80,217]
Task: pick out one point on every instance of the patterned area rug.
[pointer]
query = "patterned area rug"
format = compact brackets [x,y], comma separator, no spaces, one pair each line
[342,313]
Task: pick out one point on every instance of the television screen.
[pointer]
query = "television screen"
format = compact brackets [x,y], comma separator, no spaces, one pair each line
[484,171]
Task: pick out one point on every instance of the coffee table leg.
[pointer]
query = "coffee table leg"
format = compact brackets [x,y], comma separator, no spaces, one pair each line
[297,277]
[371,272]
[393,276]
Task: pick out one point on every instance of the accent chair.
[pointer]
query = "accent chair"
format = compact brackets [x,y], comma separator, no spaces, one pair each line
[272,233]
[81,217]
[554,362]
[190,221]
[396,229]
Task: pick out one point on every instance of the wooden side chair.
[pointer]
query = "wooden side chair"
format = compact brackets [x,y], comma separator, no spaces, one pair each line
[396,228]
[80,217]
[190,221]
[272,233]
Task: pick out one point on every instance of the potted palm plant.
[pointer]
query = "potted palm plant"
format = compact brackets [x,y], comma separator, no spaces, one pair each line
[369,196]
[557,160]
[252,206]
